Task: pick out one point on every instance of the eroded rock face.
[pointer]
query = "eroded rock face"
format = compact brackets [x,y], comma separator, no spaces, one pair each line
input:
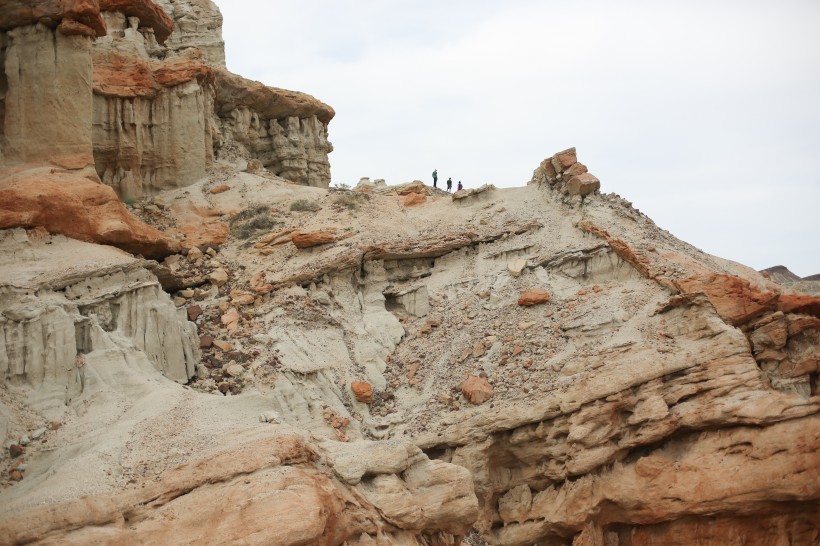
[81,310]
[45,104]
[285,130]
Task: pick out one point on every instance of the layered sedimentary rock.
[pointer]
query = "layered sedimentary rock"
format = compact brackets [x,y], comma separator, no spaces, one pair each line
[84,309]
[152,118]
[277,490]
[285,130]
[150,115]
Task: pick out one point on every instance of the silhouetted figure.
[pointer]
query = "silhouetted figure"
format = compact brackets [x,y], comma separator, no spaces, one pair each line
[460,187]
[449,184]
[435,177]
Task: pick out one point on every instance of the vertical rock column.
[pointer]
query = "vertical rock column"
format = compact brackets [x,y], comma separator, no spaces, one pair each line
[48,101]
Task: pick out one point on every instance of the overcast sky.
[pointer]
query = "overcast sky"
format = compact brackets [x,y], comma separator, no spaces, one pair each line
[704,113]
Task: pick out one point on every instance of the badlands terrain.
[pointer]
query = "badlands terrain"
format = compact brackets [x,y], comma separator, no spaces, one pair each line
[203,342]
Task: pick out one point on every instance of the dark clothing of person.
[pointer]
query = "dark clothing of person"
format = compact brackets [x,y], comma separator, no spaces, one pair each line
[460,187]
[449,184]
[435,177]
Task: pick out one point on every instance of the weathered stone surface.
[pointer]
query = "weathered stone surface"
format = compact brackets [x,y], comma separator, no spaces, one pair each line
[77,207]
[161,141]
[47,104]
[197,24]
[415,187]
[533,297]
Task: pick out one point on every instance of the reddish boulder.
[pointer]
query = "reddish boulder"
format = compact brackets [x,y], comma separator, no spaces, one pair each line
[15,450]
[77,207]
[363,391]
[313,238]
[564,160]
[533,297]
[194,311]
[477,389]
[583,184]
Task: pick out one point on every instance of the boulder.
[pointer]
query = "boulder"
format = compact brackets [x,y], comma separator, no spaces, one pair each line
[477,389]
[218,277]
[533,297]
[583,184]
[563,160]
[363,391]
[313,238]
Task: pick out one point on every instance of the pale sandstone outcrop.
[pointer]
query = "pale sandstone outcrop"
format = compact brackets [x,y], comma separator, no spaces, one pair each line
[81,312]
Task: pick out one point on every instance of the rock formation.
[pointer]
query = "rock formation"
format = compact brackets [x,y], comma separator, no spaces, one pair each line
[116,85]
[546,366]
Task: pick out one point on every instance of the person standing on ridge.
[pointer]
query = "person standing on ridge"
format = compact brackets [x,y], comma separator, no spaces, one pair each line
[449,184]
[435,177]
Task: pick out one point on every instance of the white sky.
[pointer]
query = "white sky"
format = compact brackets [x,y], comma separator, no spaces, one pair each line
[704,113]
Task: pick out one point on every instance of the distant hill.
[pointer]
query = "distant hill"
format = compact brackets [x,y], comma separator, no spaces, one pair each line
[812,278]
[781,274]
